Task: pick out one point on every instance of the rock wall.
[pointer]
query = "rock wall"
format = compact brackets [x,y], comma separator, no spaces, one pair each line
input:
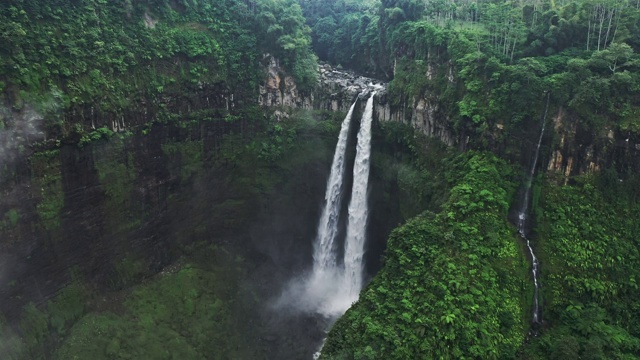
[575,149]
[570,149]
[336,91]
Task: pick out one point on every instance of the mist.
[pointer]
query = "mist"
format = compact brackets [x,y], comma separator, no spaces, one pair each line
[18,130]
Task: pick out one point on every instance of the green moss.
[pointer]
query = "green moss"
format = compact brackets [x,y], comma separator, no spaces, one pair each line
[47,177]
[11,345]
[117,174]
[10,219]
[185,157]
[129,271]
[186,314]
[67,307]
[35,332]
[50,206]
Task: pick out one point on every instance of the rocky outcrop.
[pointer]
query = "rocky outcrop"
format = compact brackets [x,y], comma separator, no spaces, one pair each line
[572,148]
[280,89]
[576,149]
[336,91]
[421,113]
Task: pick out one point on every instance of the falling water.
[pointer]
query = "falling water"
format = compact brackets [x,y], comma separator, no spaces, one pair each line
[358,210]
[324,256]
[334,285]
[522,222]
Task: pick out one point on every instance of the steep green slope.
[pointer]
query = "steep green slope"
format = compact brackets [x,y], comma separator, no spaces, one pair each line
[454,284]
[588,235]
[490,72]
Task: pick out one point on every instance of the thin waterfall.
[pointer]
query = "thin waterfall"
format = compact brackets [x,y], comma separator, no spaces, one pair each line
[324,256]
[358,208]
[522,223]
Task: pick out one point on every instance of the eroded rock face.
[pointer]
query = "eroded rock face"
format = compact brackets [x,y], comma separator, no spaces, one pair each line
[575,150]
[578,150]
[337,89]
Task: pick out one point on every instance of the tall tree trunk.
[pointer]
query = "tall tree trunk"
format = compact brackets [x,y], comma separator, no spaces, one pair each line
[589,34]
[601,13]
[606,37]
[618,14]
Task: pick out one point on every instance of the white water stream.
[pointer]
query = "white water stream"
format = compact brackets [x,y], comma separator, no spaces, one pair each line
[324,254]
[334,284]
[522,226]
[358,209]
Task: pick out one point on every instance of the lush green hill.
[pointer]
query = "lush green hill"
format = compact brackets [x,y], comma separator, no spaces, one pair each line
[454,284]
[495,70]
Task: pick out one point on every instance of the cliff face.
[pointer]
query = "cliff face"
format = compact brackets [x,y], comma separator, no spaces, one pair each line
[336,91]
[577,150]
[570,148]
[87,210]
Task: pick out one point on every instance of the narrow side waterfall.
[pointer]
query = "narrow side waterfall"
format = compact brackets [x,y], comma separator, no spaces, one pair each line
[358,209]
[324,255]
[522,225]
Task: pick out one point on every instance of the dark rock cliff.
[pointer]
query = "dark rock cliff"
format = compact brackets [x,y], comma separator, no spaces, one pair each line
[569,147]
[336,91]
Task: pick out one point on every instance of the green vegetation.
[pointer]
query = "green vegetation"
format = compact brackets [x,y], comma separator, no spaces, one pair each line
[10,219]
[588,236]
[489,68]
[47,176]
[453,284]
[188,154]
[197,307]
[412,164]
[41,327]
[187,314]
[90,64]
[455,281]
[488,65]
[117,174]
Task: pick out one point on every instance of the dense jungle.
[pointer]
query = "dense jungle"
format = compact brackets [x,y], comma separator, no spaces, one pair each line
[163,168]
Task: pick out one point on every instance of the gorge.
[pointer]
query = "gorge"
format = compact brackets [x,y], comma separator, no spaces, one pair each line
[182,179]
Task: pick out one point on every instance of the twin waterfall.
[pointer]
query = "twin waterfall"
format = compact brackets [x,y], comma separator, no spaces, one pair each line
[337,284]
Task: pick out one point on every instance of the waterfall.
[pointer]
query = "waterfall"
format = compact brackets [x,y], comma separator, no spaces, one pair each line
[324,256]
[522,222]
[334,284]
[358,209]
